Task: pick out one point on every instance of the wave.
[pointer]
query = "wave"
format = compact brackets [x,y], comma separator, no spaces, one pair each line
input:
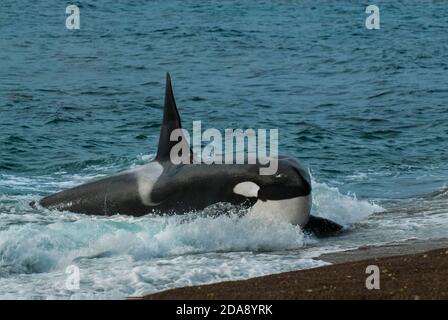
[31,247]
[35,242]
[329,203]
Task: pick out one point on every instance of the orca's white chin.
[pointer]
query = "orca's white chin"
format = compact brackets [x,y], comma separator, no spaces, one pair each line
[295,210]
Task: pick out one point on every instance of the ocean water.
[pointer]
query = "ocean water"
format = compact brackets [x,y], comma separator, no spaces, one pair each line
[366,110]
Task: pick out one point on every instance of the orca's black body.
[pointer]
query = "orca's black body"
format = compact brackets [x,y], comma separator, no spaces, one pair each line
[163,187]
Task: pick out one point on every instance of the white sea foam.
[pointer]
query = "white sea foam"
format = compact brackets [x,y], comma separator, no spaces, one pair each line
[329,203]
[122,256]
[34,247]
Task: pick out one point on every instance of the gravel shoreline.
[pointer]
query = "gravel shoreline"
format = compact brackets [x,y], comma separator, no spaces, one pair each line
[410,270]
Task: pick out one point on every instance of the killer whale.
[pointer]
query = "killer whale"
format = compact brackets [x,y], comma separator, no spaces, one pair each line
[167,188]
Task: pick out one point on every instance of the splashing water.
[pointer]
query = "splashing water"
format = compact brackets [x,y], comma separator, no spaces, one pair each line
[36,246]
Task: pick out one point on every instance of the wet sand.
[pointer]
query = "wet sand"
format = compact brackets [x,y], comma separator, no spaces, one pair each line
[410,270]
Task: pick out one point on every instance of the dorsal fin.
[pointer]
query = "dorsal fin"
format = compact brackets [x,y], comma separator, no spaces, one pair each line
[171,121]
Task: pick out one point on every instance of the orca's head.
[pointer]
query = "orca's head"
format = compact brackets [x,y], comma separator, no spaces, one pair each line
[290,181]
[284,196]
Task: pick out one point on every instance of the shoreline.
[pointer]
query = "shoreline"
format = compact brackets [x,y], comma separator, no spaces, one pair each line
[415,269]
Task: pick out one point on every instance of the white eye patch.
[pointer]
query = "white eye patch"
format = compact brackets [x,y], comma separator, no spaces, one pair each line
[247,189]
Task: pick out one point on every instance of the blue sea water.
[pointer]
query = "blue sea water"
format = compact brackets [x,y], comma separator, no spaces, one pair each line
[366,110]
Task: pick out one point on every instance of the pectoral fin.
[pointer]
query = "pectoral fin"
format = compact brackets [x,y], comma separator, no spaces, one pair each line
[322,227]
